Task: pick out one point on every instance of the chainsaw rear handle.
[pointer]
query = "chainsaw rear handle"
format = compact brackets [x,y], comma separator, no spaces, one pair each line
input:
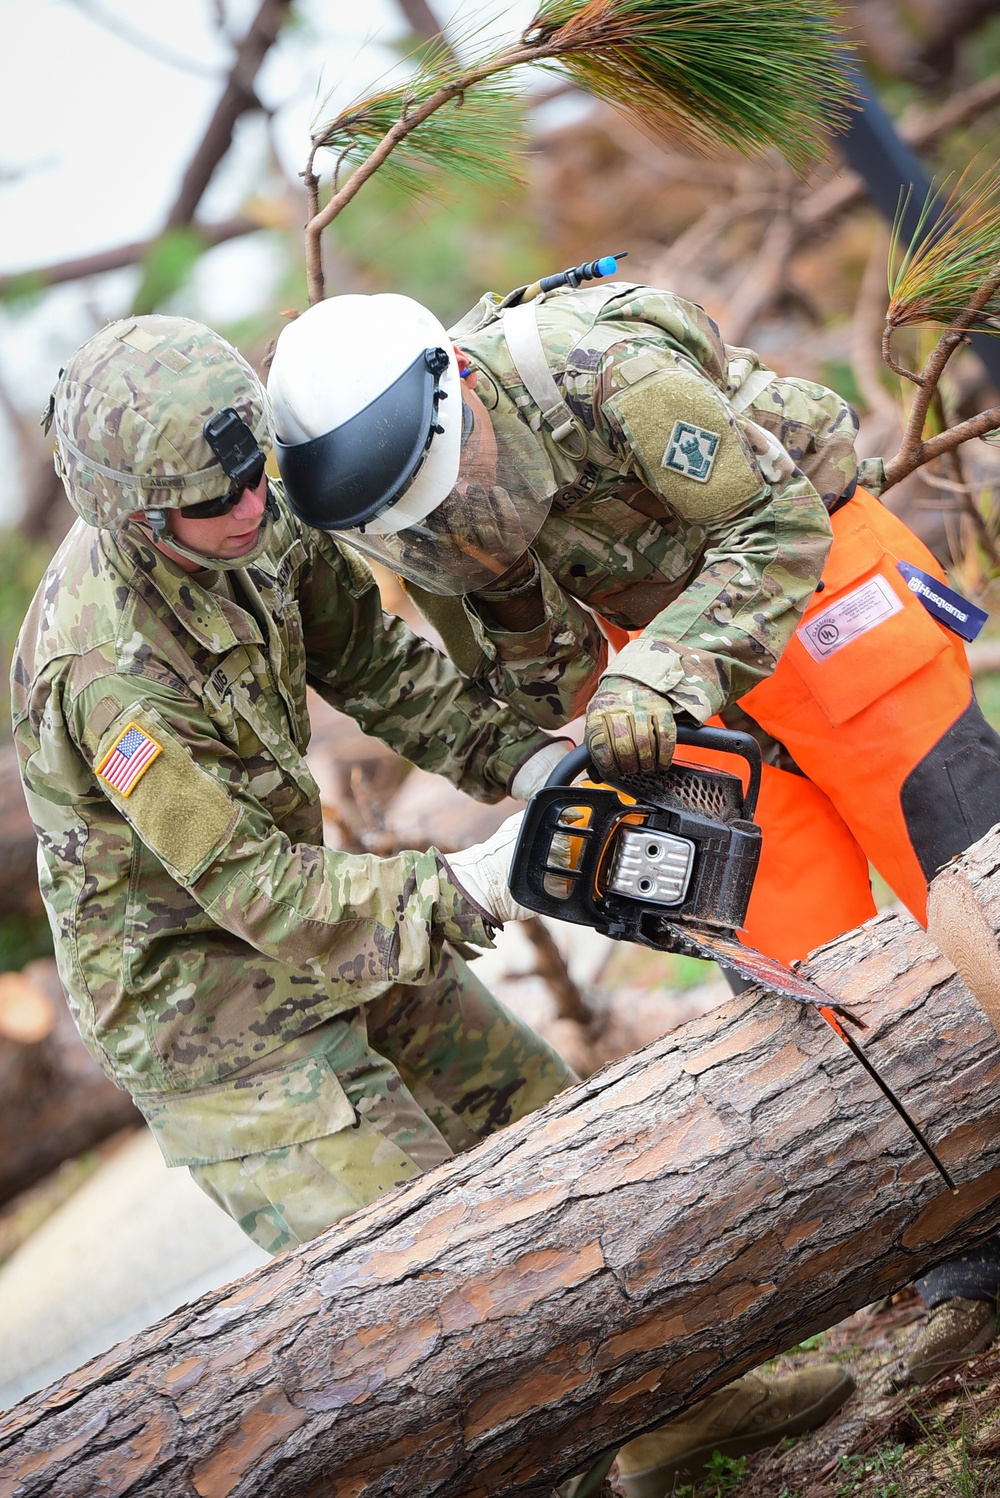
[724,740]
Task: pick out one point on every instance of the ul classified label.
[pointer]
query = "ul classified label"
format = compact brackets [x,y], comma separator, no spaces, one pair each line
[853,615]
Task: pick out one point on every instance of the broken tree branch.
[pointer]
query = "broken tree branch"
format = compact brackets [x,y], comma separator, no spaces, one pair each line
[914,451]
[238,97]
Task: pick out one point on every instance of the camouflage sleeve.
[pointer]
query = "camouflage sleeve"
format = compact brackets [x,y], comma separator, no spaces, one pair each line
[766,531]
[547,674]
[550,671]
[340,916]
[397,686]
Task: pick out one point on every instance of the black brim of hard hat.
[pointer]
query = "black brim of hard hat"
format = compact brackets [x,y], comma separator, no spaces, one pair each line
[356,471]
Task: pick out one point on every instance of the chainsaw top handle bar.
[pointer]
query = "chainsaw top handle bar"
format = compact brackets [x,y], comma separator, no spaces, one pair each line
[723,740]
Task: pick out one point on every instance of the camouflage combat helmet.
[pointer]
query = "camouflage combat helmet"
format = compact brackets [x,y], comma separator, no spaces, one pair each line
[130,410]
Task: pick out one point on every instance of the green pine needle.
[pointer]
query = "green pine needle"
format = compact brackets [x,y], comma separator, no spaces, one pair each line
[749,74]
[943,266]
[478,138]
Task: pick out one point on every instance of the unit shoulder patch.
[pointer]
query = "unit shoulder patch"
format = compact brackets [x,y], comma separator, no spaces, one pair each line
[687,443]
[128,759]
[691,451]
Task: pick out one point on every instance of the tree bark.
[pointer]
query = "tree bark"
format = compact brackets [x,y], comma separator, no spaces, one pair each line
[691,1209]
[55,1101]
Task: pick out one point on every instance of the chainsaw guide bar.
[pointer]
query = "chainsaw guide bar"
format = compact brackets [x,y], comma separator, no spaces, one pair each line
[723,948]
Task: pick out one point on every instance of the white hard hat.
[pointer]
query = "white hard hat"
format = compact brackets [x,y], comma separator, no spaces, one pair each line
[368,410]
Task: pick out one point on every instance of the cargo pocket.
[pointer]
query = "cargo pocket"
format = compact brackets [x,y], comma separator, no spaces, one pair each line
[289,1195]
[864,633]
[248,1115]
[284,1153]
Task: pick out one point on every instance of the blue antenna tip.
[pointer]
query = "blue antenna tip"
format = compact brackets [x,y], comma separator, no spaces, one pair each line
[607,265]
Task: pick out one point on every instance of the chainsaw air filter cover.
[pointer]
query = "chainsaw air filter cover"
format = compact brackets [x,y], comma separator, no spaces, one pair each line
[628,857]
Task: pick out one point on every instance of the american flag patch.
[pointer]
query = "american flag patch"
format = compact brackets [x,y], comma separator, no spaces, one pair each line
[131,756]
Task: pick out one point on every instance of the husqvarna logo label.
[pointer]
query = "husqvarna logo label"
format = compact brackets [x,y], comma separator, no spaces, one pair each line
[691,451]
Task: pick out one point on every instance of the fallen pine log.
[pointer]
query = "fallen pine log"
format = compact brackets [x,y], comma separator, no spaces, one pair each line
[691,1209]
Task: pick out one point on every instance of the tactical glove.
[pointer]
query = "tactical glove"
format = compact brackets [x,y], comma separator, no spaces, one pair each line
[630,729]
[481,873]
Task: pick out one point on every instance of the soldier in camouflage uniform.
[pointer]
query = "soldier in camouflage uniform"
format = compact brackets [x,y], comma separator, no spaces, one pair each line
[703,532]
[693,500]
[682,493]
[685,512]
[295,1023]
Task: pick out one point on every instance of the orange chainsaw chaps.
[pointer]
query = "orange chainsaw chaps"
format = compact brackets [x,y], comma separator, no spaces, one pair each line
[860,721]
[812,882]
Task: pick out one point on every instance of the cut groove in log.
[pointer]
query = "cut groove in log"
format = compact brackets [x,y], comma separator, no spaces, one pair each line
[695,1207]
[960,927]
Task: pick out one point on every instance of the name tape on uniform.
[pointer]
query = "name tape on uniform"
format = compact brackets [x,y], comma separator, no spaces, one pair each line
[944,604]
[129,758]
[853,615]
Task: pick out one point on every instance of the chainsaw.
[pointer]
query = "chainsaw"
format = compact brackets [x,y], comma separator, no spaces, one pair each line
[669,862]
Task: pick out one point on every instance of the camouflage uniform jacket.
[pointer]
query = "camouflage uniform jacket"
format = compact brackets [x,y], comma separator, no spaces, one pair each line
[200,925]
[692,516]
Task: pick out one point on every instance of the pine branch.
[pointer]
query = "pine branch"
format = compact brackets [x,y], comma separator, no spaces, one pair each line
[949,273]
[710,72]
[713,72]
[914,452]
[952,251]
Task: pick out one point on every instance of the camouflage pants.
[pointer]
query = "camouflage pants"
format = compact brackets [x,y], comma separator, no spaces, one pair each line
[428,1071]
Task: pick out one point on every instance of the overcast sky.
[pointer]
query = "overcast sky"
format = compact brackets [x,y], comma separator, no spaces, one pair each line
[96,131]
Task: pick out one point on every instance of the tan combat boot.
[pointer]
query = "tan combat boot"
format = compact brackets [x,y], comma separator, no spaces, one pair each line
[757,1410]
[954,1330]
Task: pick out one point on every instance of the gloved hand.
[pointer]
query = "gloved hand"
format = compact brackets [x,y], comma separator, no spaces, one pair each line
[630,728]
[535,771]
[481,873]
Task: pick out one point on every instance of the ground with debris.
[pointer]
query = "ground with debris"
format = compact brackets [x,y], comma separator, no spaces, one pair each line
[941,1441]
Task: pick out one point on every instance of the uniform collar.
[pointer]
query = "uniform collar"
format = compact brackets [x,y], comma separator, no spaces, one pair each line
[195,608]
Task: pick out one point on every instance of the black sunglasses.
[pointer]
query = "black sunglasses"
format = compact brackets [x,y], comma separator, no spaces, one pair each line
[205,509]
[240,458]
